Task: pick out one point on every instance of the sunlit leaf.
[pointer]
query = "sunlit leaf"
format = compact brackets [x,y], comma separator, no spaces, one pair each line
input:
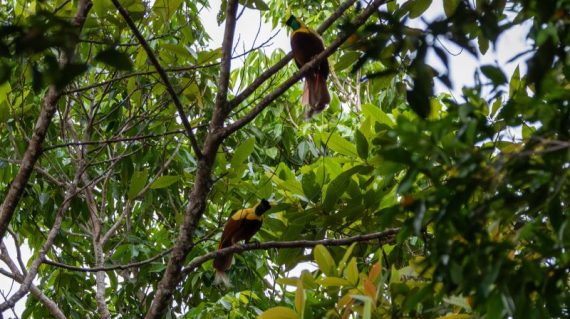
[164,181]
[324,259]
[278,313]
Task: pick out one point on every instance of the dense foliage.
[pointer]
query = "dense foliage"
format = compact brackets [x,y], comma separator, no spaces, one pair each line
[483,216]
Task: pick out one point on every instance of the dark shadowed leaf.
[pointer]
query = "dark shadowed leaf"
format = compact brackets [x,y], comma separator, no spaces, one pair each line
[494,74]
[116,59]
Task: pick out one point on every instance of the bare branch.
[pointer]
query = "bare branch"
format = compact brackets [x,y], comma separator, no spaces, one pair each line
[109,268]
[163,76]
[383,237]
[180,69]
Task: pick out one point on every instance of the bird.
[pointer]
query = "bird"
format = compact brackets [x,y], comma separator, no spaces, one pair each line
[242,225]
[306,44]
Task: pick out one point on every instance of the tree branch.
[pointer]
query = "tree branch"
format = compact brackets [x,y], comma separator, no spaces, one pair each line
[163,76]
[27,281]
[202,182]
[109,268]
[384,237]
[279,65]
[360,20]
[51,306]
[33,151]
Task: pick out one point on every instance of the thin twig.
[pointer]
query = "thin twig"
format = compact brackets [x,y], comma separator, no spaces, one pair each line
[108,268]
[163,76]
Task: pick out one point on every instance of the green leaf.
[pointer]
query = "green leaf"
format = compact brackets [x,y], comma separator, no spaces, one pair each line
[291,185]
[346,60]
[361,144]
[351,272]
[103,7]
[333,282]
[300,298]
[164,181]
[138,181]
[514,85]
[338,144]
[166,8]
[311,188]
[339,184]
[324,259]
[243,151]
[527,131]
[483,43]
[494,74]
[418,7]
[344,259]
[116,59]
[279,313]
[375,113]
[254,4]
[449,6]
[367,310]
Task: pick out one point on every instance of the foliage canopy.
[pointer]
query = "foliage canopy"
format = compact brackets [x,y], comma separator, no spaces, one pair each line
[120,197]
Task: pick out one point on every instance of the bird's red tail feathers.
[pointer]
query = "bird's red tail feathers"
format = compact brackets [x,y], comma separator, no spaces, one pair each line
[315,94]
[221,264]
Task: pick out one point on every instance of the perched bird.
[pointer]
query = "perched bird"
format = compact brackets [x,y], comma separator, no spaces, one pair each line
[306,44]
[243,224]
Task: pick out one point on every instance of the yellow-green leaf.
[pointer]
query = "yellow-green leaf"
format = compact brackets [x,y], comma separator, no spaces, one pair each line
[288,281]
[243,151]
[333,282]
[375,113]
[351,272]
[456,316]
[344,259]
[166,8]
[164,181]
[324,259]
[278,313]
[418,7]
[138,181]
[338,144]
[449,6]
[300,298]
[291,185]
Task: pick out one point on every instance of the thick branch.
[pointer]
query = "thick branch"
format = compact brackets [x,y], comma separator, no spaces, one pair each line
[163,76]
[33,151]
[202,182]
[384,237]
[279,65]
[360,20]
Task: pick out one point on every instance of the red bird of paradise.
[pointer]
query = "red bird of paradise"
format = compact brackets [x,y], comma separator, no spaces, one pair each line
[242,225]
[306,44]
